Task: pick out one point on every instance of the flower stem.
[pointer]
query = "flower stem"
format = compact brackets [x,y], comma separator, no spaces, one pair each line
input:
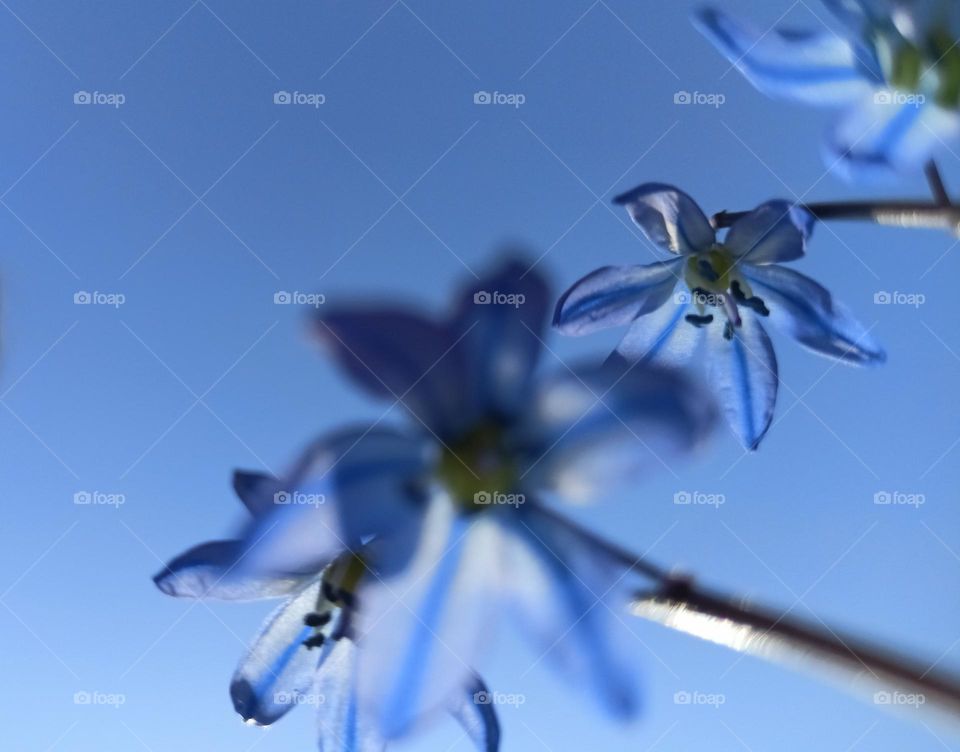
[877,674]
[910,214]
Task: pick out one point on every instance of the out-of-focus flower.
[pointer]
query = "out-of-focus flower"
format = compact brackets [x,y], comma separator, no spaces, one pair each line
[445,519]
[896,71]
[720,290]
[306,652]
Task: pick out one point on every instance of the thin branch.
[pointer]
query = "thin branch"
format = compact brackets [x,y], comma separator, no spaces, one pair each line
[889,680]
[912,214]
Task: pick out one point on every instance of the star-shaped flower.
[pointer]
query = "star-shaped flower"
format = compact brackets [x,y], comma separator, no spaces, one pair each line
[720,290]
[446,522]
[306,652]
[895,70]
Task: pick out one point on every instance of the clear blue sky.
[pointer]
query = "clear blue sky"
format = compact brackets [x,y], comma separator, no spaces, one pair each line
[198,198]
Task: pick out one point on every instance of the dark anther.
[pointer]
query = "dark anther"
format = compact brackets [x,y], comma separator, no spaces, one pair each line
[707,270]
[314,619]
[698,321]
[755,304]
[314,641]
[728,330]
[330,592]
[348,599]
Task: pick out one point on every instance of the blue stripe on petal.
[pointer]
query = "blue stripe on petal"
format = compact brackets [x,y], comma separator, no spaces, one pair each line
[743,370]
[474,709]
[663,337]
[204,572]
[614,296]
[407,690]
[668,217]
[278,668]
[773,232]
[806,311]
[816,68]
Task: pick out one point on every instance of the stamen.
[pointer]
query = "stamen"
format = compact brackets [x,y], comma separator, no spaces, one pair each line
[314,641]
[754,303]
[330,592]
[704,297]
[730,306]
[314,619]
[728,330]
[698,321]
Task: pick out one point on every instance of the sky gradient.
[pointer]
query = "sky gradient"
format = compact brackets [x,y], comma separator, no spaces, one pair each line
[182,198]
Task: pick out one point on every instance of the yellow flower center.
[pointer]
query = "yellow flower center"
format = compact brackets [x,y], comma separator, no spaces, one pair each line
[476,469]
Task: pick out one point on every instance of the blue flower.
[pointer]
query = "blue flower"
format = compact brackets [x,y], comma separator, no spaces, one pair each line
[896,71]
[445,522]
[720,290]
[305,653]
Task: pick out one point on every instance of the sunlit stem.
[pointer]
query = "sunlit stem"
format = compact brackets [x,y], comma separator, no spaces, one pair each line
[893,213]
[878,675]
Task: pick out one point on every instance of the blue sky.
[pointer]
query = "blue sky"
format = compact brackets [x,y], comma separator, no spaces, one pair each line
[186,199]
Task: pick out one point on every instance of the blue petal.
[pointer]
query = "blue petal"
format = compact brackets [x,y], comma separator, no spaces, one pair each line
[593,426]
[814,67]
[204,572]
[773,232]
[421,627]
[743,370]
[566,595]
[854,14]
[806,311]
[614,296]
[279,670]
[342,724]
[344,489]
[668,217]
[889,133]
[663,336]
[475,711]
[255,490]
[498,326]
[397,355]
